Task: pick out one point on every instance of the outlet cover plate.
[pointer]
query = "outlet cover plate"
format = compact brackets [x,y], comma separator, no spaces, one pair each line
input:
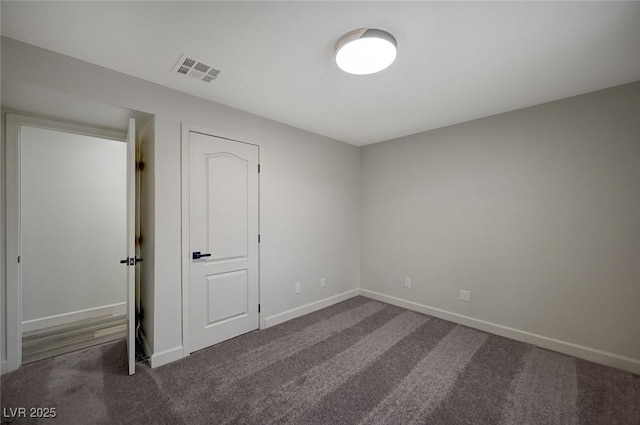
[464,295]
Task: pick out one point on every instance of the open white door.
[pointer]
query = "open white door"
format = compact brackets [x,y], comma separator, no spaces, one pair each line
[131,246]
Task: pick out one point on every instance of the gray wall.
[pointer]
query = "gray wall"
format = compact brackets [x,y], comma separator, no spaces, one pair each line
[536,211]
[309,185]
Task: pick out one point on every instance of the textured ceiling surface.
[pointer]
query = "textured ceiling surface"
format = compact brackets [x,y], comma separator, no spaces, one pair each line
[457,61]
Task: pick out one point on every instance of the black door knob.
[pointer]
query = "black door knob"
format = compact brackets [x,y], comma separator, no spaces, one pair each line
[197,255]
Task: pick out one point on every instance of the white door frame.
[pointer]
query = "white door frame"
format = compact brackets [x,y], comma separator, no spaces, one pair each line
[185,254]
[14,122]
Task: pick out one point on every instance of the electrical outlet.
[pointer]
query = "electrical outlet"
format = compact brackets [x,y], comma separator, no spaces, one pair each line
[296,289]
[464,295]
[323,282]
[407,282]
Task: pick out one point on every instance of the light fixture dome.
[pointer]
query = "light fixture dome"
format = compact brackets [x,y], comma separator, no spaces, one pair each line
[365,51]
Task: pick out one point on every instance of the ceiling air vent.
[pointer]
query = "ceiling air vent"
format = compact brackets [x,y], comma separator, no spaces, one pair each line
[193,68]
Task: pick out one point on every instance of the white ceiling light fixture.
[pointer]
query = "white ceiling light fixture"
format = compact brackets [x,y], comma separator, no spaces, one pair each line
[365,51]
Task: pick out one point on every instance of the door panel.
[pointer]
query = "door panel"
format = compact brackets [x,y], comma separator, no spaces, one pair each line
[227,217]
[227,296]
[223,226]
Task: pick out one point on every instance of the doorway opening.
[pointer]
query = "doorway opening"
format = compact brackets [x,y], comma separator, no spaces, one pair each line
[70,196]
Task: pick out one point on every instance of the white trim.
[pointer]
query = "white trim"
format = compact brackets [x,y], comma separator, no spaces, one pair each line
[61,319]
[184,239]
[67,127]
[216,133]
[166,356]
[309,308]
[598,356]
[13,300]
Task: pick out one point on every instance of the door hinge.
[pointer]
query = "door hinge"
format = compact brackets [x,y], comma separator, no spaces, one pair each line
[18,259]
[140,165]
[258,308]
[258,168]
[258,238]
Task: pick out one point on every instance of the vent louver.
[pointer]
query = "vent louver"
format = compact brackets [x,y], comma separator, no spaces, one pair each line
[194,68]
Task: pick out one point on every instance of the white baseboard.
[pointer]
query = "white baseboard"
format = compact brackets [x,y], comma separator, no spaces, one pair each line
[176,353]
[3,367]
[61,319]
[165,357]
[598,356]
[308,308]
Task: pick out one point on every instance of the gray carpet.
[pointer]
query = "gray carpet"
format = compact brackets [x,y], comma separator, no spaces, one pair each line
[357,362]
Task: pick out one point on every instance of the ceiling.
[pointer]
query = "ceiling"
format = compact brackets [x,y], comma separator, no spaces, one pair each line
[457,61]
